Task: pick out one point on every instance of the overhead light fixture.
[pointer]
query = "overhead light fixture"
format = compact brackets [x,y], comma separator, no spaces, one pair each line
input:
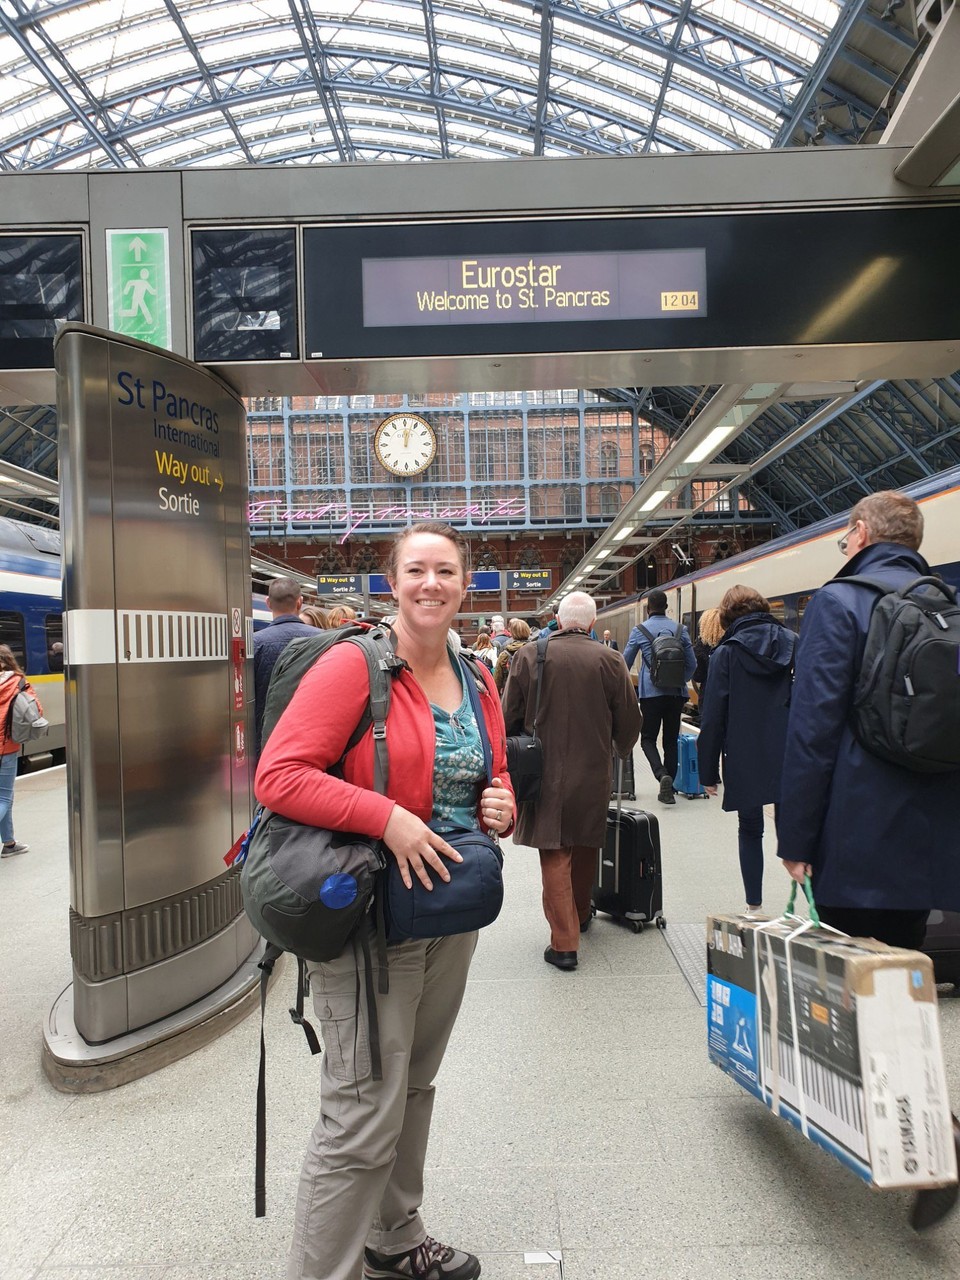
[711,443]
[602,553]
[622,534]
[656,498]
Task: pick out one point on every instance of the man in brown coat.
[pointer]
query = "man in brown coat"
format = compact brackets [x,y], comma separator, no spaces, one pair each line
[587,702]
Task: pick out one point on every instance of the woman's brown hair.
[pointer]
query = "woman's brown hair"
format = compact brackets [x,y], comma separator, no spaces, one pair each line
[483,640]
[8,661]
[738,602]
[316,616]
[440,530]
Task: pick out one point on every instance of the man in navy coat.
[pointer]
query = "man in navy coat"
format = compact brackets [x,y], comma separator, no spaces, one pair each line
[881,842]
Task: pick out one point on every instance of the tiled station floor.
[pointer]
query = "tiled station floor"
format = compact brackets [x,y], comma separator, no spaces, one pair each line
[577,1115]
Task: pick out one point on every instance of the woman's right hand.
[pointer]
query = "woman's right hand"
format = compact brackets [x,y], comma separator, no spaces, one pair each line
[416,847]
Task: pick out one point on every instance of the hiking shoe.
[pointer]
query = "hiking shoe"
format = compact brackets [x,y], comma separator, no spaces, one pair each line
[665,794]
[429,1261]
[12,849]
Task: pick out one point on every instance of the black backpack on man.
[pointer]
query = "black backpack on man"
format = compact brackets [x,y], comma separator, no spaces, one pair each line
[667,658]
[906,706]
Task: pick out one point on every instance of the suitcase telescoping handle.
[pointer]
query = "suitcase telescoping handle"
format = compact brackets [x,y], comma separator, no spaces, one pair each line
[616,834]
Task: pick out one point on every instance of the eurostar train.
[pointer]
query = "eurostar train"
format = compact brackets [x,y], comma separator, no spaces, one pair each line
[789,570]
[31,621]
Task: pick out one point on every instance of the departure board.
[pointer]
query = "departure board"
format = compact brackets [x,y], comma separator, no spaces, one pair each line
[41,285]
[697,280]
[534,289]
[245,294]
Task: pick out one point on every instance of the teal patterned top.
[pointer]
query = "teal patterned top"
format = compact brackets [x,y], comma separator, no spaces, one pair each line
[458,769]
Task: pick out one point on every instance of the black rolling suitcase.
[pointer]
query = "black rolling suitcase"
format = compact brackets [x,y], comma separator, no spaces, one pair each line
[629,879]
[942,945]
[623,784]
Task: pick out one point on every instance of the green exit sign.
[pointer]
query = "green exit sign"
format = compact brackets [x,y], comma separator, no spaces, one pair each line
[138,284]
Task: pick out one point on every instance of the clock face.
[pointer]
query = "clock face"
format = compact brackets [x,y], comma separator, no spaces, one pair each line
[405,444]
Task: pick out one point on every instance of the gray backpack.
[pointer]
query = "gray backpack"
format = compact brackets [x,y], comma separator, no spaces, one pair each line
[906,706]
[25,721]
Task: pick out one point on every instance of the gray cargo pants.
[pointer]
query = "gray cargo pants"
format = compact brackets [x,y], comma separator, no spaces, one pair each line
[362,1176]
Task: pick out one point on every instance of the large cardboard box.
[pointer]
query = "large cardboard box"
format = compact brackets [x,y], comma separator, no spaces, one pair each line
[841,1037]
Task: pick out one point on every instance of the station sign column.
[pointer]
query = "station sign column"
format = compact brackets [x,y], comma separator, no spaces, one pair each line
[156,564]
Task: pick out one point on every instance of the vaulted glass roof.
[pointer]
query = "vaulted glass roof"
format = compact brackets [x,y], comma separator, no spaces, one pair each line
[128,83]
[108,84]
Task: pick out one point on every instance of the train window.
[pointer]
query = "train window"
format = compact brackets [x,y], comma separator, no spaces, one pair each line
[12,634]
[802,603]
[778,609]
[687,621]
[53,625]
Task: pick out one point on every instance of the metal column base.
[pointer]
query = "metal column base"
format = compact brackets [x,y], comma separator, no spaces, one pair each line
[74,1066]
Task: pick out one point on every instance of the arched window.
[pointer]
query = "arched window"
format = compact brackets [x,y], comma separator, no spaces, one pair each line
[528,558]
[330,560]
[366,560]
[609,458]
[573,502]
[609,500]
[486,557]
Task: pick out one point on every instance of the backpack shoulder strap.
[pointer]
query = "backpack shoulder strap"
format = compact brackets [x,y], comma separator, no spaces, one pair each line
[542,642]
[474,683]
[641,627]
[382,665]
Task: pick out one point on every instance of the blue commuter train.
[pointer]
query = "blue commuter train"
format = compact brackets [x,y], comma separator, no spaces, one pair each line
[789,570]
[31,621]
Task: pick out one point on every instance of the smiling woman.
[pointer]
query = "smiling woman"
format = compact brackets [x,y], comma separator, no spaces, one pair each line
[358,1208]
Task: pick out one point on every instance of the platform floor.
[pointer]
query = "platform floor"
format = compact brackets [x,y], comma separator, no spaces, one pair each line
[577,1113]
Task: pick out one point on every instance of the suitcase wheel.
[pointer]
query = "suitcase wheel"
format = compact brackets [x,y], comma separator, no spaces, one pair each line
[636,925]
[661,922]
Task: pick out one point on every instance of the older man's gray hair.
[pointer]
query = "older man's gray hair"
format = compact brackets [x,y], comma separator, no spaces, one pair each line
[577,610]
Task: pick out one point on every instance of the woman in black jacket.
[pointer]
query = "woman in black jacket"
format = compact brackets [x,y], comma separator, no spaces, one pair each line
[744,720]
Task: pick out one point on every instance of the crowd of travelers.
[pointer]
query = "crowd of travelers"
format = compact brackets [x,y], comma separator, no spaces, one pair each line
[774,730]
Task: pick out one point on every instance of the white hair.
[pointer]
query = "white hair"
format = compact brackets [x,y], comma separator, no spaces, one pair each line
[577,610]
[497,620]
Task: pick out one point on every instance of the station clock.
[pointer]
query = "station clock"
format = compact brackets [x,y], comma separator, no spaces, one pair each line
[405,444]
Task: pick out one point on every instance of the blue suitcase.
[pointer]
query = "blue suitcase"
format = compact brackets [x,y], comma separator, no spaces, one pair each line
[687,781]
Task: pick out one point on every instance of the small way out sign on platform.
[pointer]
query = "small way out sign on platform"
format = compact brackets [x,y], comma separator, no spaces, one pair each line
[138,284]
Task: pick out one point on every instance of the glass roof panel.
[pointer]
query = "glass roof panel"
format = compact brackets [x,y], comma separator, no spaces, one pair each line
[732,71]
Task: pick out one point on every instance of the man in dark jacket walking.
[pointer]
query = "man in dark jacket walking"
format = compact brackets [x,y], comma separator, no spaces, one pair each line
[586,703]
[660,707]
[744,719]
[284,600]
[880,841]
